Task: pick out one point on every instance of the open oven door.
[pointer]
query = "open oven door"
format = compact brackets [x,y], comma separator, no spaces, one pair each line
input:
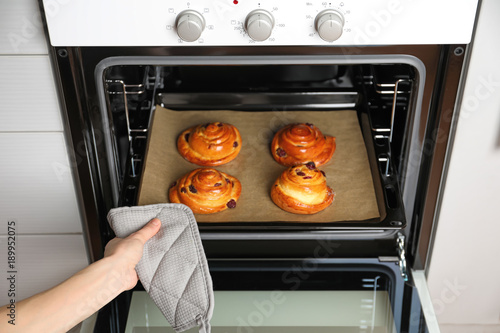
[317,295]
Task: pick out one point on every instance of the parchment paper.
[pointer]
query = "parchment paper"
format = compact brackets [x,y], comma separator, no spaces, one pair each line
[348,173]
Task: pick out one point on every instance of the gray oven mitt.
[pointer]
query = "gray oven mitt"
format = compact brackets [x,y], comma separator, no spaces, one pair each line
[173,268]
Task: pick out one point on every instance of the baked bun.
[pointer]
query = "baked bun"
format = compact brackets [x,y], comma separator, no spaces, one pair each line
[297,144]
[210,144]
[302,190]
[206,191]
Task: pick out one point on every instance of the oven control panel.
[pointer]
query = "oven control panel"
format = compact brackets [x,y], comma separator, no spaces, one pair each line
[248,22]
[258,22]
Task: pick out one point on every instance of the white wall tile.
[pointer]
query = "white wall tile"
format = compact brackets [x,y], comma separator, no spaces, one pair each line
[21,30]
[465,271]
[28,95]
[469,328]
[41,262]
[36,184]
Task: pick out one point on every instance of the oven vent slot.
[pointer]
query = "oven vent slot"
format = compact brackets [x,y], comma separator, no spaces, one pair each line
[391,197]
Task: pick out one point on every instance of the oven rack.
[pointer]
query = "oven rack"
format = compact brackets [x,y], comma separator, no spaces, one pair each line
[387,99]
[135,108]
[387,133]
[133,133]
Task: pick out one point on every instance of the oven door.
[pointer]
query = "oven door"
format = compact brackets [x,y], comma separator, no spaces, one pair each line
[313,295]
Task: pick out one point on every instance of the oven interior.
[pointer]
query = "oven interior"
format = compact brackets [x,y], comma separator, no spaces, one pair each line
[383,96]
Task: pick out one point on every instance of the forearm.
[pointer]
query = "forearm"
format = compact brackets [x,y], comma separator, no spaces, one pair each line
[62,307]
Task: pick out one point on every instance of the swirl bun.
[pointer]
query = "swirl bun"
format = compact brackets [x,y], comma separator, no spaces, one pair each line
[302,190]
[210,144]
[206,191]
[297,144]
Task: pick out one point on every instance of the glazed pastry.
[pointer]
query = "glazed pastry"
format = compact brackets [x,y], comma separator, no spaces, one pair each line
[297,144]
[210,144]
[302,190]
[206,191]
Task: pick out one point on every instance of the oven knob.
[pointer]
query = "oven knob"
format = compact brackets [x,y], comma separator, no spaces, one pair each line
[190,25]
[329,24]
[259,24]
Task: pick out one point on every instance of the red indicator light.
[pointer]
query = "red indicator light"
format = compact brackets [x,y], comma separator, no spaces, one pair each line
[235,2]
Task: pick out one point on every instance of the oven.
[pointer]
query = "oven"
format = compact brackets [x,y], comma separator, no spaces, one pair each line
[130,74]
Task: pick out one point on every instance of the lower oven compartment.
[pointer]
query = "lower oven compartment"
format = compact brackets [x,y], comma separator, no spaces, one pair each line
[383,96]
[322,295]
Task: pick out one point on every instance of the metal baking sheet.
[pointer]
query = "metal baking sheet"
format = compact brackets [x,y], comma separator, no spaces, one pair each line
[348,173]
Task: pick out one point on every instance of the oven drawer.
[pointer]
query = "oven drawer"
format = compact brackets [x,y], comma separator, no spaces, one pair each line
[299,296]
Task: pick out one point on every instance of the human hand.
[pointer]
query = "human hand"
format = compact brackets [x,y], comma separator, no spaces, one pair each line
[125,253]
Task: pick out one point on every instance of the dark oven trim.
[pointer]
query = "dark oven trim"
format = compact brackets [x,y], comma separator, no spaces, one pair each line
[441,124]
[75,70]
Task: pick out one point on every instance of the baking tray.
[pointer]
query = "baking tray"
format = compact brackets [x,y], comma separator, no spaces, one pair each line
[360,196]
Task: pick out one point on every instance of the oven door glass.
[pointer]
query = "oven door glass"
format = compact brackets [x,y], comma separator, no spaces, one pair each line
[299,296]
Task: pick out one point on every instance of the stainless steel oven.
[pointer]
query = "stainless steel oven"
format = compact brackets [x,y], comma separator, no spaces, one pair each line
[388,62]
